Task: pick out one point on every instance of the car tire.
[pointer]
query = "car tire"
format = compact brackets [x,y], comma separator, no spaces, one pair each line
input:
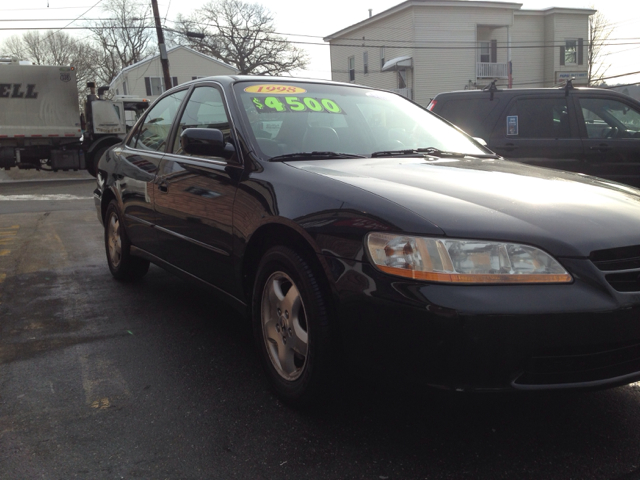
[92,161]
[122,264]
[291,325]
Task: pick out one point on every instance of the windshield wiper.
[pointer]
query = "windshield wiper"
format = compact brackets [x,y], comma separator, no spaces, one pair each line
[431,151]
[314,156]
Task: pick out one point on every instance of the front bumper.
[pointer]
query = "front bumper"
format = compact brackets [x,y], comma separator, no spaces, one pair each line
[509,337]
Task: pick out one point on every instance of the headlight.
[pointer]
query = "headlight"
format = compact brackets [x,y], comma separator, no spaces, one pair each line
[463,261]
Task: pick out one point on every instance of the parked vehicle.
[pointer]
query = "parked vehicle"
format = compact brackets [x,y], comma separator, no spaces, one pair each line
[593,131]
[40,122]
[365,233]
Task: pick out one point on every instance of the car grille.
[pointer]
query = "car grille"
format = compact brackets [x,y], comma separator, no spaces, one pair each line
[621,267]
[597,364]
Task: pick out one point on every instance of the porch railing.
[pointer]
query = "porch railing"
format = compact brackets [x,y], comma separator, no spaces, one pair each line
[491,70]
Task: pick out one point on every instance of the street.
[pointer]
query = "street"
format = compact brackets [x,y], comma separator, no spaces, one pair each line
[156,380]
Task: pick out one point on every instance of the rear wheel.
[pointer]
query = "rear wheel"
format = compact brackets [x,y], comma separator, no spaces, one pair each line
[92,161]
[122,264]
[291,326]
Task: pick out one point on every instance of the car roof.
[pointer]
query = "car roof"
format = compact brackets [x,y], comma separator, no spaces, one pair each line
[230,79]
[518,91]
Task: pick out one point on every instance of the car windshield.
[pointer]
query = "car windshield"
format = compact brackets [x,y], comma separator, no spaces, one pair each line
[287,118]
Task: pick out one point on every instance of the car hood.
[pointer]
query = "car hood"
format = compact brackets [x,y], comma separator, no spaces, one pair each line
[566,214]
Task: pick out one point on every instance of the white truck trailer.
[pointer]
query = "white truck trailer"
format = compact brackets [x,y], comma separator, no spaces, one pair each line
[41,125]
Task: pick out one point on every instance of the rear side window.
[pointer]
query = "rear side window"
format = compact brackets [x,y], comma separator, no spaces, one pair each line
[536,118]
[468,114]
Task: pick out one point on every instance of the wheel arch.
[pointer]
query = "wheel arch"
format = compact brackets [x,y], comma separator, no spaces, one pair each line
[107,196]
[271,235]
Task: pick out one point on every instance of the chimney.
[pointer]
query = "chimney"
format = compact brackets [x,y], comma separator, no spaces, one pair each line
[370,12]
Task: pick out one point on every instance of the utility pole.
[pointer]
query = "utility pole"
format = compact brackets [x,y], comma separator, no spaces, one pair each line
[164,59]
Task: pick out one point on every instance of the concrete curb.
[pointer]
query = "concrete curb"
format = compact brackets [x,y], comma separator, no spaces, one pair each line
[46,180]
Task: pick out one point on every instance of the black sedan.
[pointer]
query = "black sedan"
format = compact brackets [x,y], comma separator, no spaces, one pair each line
[360,231]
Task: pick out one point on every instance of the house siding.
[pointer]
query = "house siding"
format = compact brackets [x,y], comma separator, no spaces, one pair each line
[184,64]
[443,43]
[399,27]
[528,51]
[455,28]
[552,52]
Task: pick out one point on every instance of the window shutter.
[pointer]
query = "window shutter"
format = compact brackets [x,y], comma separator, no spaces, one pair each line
[561,55]
[175,81]
[580,51]
[147,84]
[494,51]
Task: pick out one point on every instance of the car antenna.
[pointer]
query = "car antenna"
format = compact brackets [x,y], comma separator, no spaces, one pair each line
[491,88]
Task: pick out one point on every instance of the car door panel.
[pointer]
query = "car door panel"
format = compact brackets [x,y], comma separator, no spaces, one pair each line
[194,197]
[541,131]
[611,137]
[140,158]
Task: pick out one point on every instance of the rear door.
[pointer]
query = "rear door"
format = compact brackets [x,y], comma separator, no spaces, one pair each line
[137,168]
[610,128]
[539,130]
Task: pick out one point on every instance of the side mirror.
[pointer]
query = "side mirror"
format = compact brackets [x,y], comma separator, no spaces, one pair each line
[208,142]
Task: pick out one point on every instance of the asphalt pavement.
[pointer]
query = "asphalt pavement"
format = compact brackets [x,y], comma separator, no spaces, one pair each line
[101,379]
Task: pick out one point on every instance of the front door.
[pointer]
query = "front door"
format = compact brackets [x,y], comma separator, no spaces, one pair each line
[611,137]
[195,194]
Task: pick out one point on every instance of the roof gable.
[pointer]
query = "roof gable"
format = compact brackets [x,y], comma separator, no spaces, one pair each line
[170,51]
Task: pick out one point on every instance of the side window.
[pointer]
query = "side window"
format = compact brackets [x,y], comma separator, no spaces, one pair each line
[469,114]
[604,118]
[205,109]
[153,132]
[537,118]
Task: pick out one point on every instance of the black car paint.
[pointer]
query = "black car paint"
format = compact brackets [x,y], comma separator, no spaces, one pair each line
[455,336]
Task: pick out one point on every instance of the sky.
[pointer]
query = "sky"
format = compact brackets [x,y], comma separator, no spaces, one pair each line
[306,26]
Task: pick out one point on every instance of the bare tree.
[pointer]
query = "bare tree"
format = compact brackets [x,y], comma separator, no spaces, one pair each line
[57,48]
[242,35]
[124,37]
[599,32]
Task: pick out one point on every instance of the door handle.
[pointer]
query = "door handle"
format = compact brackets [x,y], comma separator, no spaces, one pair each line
[163,187]
[603,147]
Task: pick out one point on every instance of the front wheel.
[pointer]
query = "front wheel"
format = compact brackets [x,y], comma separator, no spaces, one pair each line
[292,327]
[122,264]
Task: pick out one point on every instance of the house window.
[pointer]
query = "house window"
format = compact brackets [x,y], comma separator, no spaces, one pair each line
[571,52]
[381,57]
[155,85]
[365,60]
[402,79]
[484,52]
[352,69]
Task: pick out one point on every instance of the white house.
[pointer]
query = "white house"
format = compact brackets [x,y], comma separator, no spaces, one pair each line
[423,47]
[145,78]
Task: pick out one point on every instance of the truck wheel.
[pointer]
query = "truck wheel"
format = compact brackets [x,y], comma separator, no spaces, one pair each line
[92,161]
[122,264]
[291,327]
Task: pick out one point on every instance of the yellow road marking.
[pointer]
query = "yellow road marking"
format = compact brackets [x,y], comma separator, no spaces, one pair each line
[4,252]
[2,277]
